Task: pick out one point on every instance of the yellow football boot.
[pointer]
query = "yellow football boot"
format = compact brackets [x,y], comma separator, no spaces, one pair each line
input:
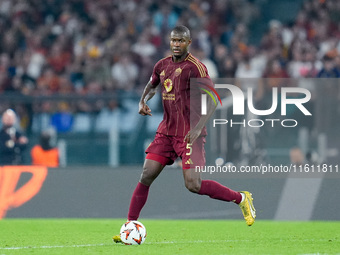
[248,209]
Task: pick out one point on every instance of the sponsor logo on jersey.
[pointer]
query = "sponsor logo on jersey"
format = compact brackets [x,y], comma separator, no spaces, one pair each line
[168,85]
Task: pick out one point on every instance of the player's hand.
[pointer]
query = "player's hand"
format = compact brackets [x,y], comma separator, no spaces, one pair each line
[192,135]
[144,109]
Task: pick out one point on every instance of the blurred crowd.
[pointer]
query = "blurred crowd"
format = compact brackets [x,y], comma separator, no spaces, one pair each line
[107,47]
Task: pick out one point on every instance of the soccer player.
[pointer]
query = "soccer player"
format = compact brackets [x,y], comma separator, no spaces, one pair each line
[174,138]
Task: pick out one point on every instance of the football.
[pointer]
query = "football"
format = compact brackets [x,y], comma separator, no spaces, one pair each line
[133,233]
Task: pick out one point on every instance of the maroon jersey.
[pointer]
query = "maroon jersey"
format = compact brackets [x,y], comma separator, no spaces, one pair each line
[175,81]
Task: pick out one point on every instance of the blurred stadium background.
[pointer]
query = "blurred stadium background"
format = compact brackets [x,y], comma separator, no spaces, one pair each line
[79,66]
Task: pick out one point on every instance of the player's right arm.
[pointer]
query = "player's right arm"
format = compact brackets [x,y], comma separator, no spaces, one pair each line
[149,91]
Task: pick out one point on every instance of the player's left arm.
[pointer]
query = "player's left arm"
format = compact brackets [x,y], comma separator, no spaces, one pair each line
[194,133]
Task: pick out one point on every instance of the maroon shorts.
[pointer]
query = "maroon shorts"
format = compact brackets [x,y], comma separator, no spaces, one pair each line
[166,149]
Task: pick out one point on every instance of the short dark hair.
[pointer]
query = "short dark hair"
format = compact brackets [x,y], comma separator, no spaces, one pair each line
[182,29]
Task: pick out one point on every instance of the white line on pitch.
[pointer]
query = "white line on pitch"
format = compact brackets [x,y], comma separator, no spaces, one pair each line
[93,245]
[50,247]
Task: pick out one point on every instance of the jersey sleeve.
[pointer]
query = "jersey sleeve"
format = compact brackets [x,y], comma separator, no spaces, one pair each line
[154,79]
[199,70]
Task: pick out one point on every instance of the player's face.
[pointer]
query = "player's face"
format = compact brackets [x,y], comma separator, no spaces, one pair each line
[179,43]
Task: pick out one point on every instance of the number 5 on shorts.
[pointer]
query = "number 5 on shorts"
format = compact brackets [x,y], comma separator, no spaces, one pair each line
[190,149]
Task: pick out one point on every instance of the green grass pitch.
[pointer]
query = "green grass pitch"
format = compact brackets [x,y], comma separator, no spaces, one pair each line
[93,236]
